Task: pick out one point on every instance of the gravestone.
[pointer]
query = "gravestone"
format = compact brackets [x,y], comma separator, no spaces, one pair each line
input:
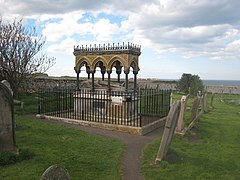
[180,123]
[211,104]
[203,100]
[6,83]
[56,172]
[169,129]
[206,102]
[195,107]
[7,123]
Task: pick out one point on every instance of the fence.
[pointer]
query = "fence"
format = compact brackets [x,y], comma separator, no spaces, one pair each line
[131,108]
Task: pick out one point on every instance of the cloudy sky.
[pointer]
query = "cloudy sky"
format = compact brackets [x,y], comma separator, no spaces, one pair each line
[188,36]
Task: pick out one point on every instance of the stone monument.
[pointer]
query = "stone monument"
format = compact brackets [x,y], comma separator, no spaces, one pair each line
[7,123]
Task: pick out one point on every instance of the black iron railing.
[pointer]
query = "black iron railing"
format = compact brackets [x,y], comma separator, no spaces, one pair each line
[108,47]
[129,108]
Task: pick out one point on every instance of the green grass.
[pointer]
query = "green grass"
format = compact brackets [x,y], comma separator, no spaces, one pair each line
[209,151]
[30,105]
[85,156]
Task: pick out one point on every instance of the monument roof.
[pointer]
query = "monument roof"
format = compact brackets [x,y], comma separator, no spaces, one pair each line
[118,48]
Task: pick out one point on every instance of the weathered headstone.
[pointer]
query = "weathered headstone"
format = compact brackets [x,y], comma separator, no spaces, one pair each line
[206,102]
[202,108]
[170,126]
[171,98]
[211,104]
[56,172]
[194,111]
[7,123]
[7,84]
[180,123]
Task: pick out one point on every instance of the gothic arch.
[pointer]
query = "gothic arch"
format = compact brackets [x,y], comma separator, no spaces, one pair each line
[134,65]
[81,62]
[115,59]
[99,60]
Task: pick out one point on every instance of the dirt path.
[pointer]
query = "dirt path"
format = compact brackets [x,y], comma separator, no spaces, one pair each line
[131,162]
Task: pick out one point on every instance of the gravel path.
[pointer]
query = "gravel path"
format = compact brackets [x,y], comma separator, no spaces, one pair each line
[131,162]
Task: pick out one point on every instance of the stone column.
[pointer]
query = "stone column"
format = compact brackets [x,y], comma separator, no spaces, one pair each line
[109,79]
[78,81]
[88,72]
[118,75]
[103,72]
[93,87]
[135,80]
[126,78]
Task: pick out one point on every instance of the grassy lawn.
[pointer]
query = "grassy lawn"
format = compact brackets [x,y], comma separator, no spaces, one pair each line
[209,151]
[85,156]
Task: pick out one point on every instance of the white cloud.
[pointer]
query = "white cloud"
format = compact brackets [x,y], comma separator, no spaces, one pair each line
[64,26]
[104,30]
[191,28]
[38,7]
[68,25]
[66,46]
[233,46]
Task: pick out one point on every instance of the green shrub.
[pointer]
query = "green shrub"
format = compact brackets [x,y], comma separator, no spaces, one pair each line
[7,158]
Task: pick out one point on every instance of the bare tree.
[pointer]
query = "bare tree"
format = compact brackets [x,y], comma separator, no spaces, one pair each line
[19,47]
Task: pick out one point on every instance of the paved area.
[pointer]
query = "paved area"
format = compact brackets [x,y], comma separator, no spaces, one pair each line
[131,160]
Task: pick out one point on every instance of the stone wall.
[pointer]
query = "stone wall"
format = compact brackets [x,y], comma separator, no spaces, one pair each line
[51,82]
[223,89]
[161,85]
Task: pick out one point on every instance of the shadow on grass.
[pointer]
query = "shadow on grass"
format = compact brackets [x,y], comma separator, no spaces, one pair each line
[172,157]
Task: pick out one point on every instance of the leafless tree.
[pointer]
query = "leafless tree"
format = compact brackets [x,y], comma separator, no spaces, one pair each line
[19,49]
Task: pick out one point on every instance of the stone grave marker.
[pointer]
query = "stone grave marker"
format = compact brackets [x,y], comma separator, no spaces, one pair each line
[194,111]
[7,123]
[211,103]
[180,123]
[56,172]
[206,102]
[6,83]
[169,129]
[202,108]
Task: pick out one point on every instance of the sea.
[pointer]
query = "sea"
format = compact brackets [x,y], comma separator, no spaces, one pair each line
[222,82]
[215,82]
